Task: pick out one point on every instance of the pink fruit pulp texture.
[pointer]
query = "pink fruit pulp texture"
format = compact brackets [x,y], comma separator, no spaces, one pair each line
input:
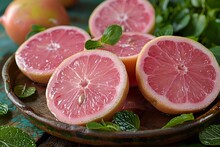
[130,44]
[133,15]
[84,88]
[46,51]
[190,81]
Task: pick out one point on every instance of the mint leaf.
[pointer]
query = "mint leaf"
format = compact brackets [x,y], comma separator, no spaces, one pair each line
[103,126]
[216,51]
[112,35]
[14,137]
[91,44]
[34,30]
[22,91]
[3,109]
[179,120]
[127,120]
[196,25]
[166,30]
[181,20]
[210,135]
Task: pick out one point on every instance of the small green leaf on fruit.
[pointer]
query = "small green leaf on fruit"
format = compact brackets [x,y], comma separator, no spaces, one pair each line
[3,109]
[103,126]
[210,136]
[127,120]
[91,44]
[34,30]
[14,137]
[112,35]
[22,91]
[179,120]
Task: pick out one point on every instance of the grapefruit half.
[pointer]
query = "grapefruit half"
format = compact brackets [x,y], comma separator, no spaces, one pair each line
[87,86]
[178,75]
[38,57]
[132,15]
[128,49]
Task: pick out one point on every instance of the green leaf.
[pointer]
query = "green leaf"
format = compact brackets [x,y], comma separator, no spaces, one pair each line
[181,20]
[34,30]
[166,30]
[212,31]
[22,91]
[3,109]
[112,35]
[127,120]
[216,51]
[179,120]
[210,135]
[91,44]
[103,126]
[193,38]
[198,3]
[196,26]
[14,137]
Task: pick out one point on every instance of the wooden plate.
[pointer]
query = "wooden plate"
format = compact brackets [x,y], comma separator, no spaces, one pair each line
[35,109]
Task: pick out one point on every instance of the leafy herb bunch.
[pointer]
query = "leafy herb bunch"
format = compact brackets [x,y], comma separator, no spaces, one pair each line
[197,19]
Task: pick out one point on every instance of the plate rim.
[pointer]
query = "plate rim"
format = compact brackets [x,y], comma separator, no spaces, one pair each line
[202,119]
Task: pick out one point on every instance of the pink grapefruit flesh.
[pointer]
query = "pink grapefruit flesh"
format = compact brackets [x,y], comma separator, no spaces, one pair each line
[132,15]
[38,57]
[128,49]
[87,86]
[178,75]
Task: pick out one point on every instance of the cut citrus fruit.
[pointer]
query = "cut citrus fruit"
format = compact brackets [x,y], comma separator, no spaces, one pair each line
[177,75]
[133,15]
[38,57]
[87,86]
[127,49]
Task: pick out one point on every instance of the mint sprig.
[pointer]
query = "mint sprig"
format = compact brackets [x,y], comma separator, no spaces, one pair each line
[110,36]
[102,126]
[14,137]
[122,121]
[22,91]
[179,120]
[3,109]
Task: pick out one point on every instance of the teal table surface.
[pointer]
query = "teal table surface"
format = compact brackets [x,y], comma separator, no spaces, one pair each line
[79,15]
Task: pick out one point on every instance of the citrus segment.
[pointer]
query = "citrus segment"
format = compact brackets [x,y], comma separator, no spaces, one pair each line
[87,86]
[133,15]
[38,57]
[127,49]
[177,74]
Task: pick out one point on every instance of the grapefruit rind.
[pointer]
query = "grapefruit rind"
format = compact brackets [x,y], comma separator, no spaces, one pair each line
[43,75]
[95,29]
[108,109]
[160,101]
